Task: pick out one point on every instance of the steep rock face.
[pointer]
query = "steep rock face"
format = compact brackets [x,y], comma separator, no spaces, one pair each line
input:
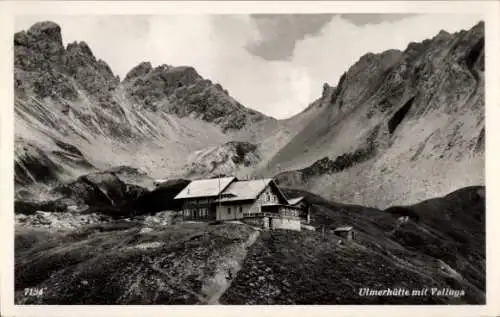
[32,165]
[423,110]
[183,92]
[161,198]
[230,158]
[104,192]
[43,43]
[339,107]
[151,120]
[132,176]
[94,75]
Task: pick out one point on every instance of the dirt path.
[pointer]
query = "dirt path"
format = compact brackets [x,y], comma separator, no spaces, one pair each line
[227,271]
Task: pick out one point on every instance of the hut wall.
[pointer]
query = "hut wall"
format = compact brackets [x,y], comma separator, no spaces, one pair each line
[232,211]
[285,223]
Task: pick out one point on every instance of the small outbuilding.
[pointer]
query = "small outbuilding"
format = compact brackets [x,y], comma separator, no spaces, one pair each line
[403,219]
[346,233]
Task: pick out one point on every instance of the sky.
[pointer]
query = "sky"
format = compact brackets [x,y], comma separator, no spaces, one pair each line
[276,64]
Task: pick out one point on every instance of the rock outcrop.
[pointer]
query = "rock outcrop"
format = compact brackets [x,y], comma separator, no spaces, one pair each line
[102,189]
[229,158]
[183,92]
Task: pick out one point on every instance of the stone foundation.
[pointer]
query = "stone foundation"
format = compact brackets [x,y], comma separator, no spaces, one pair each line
[285,223]
[258,222]
[270,223]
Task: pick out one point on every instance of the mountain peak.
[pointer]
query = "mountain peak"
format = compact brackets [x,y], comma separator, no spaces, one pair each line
[425,103]
[46,29]
[479,27]
[140,70]
[443,33]
[479,24]
[185,92]
[40,47]
[81,47]
[177,75]
[327,90]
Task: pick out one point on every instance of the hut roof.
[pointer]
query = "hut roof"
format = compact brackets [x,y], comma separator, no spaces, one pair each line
[296,200]
[249,190]
[344,228]
[205,188]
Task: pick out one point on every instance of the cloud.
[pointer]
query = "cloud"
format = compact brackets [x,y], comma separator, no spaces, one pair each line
[280,32]
[374,18]
[217,46]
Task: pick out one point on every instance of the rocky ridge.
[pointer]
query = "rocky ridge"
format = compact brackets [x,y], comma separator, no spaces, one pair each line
[421,109]
[363,141]
[73,115]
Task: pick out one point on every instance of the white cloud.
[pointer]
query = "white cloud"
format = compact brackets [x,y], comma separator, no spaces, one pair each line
[215,46]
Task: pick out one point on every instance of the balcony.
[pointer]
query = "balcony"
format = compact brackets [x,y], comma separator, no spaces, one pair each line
[274,211]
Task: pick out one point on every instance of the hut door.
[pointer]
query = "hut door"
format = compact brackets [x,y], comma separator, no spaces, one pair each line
[212,212]
[270,222]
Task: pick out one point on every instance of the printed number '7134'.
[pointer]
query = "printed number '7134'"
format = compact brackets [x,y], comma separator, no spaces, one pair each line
[33,291]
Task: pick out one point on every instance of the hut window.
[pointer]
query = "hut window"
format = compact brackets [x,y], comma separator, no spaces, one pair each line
[229,210]
[241,210]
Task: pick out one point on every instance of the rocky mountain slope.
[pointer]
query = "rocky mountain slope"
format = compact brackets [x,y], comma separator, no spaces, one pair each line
[223,160]
[73,115]
[365,141]
[400,126]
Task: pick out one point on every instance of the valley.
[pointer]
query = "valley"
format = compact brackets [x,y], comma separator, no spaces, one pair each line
[395,149]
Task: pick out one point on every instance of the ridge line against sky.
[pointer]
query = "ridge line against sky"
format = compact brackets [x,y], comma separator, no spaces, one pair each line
[276,64]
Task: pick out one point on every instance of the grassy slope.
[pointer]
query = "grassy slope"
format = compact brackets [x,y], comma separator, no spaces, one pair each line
[116,263]
[451,228]
[444,248]
[286,267]
[105,264]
